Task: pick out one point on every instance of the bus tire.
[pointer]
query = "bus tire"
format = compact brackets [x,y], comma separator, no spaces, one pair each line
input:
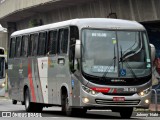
[65,106]
[28,105]
[14,102]
[126,113]
[22,103]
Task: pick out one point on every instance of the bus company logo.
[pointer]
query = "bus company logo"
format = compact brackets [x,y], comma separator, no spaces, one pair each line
[123,81]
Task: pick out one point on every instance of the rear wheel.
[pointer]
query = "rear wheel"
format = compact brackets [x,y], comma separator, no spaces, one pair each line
[29,106]
[14,102]
[126,112]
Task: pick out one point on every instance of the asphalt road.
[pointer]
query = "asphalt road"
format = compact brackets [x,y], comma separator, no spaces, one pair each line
[55,113]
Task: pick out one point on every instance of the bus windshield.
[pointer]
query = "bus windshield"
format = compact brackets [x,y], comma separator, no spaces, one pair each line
[106,51]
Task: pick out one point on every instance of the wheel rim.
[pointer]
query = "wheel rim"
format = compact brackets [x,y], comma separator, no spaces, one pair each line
[67,104]
[27,101]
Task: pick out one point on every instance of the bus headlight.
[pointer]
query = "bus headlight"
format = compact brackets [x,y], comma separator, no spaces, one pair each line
[3,84]
[144,92]
[88,90]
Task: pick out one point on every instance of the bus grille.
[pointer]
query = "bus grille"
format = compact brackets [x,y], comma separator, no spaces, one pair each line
[111,102]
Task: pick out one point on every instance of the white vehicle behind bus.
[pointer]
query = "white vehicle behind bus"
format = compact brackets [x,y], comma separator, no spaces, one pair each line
[3,61]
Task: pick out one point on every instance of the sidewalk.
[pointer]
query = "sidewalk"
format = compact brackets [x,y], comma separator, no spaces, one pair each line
[152,107]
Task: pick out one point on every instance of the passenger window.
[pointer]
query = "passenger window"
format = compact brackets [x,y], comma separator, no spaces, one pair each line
[13,47]
[52,42]
[42,43]
[63,41]
[30,46]
[24,46]
[18,46]
[34,44]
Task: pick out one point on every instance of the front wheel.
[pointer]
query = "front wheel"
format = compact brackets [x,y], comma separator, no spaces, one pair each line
[126,113]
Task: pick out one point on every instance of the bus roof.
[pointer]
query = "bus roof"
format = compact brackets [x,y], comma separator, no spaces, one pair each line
[102,23]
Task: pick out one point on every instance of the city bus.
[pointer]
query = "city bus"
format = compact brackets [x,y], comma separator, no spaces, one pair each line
[81,64]
[3,61]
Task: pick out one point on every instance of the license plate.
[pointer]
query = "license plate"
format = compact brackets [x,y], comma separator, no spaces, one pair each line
[119,99]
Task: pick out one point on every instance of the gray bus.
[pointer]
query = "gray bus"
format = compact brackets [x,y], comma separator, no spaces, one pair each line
[81,64]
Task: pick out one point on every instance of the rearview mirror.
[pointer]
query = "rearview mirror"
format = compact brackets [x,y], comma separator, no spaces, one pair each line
[153,52]
[77,49]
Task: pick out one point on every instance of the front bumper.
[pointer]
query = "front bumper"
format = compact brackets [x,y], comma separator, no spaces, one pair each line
[101,100]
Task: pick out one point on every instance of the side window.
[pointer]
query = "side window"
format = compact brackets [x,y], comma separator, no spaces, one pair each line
[12,47]
[63,41]
[24,46]
[52,42]
[30,42]
[33,44]
[18,46]
[42,43]
[74,34]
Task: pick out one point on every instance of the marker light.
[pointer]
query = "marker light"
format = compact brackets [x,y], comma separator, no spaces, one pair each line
[146,101]
[88,90]
[144,92]
[85,100]
[93,92]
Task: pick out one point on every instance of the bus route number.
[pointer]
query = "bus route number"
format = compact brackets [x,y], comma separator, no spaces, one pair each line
[130,89]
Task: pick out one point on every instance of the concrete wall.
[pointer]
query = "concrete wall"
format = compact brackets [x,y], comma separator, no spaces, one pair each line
[16,5]
[139,10]
[3,40]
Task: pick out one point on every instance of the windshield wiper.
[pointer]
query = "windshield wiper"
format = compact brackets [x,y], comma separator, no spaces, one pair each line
[114,62]
[122,60]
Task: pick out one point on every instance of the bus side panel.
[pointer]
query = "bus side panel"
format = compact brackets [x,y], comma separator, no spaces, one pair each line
[23,75]
[43,78]
[75,91]
[31,79]
[38,86]
[63,78]
[13,79]
[52,81]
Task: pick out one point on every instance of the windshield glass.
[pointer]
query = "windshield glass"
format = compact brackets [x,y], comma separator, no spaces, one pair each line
[103,49]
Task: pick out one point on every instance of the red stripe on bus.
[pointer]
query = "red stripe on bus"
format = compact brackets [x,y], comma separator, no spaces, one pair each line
[31,83]
[103,90]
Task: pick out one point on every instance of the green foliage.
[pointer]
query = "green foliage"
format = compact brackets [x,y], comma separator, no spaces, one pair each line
[33,23]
